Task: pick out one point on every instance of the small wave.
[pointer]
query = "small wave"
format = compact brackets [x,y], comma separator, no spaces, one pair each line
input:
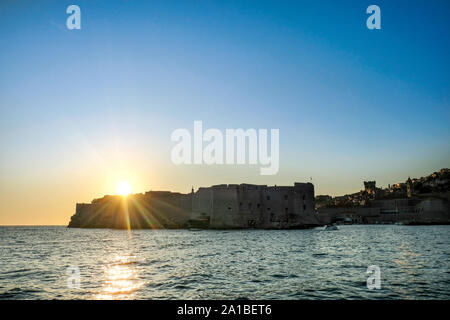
[11,293]
[279,275]
[17,274]
[124,263]
[319,254]
[182,286]
[152,262]
[17,293]
[17,271]
[212,254]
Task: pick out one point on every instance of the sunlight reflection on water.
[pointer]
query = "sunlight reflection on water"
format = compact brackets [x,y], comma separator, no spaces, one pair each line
[121,279]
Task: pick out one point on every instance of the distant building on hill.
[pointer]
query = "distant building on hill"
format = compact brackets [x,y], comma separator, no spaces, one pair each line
[417,201]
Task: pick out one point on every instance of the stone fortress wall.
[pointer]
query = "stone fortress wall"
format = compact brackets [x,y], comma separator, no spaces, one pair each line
[256,206]
[224,206]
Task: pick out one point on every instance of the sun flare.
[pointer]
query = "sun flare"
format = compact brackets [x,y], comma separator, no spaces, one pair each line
[123,188]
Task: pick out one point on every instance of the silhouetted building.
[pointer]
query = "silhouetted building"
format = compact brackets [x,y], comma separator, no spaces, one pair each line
[220,207]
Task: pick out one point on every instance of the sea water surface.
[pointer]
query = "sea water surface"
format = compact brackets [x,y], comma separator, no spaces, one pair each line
[245,264]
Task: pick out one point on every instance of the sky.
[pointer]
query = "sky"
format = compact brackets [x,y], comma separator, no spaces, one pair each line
[81,110]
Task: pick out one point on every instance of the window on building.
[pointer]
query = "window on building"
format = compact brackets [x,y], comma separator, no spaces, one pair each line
[229,208]
[268,197]
[249,205]
[285,197]
[304,207]
[304,197]
[258,205]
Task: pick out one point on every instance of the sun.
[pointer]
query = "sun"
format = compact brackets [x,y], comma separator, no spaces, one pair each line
[123,188]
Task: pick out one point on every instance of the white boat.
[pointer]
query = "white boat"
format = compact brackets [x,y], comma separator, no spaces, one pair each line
[195,229]
[330,228]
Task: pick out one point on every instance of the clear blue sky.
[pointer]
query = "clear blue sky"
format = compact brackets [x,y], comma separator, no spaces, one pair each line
[350,103]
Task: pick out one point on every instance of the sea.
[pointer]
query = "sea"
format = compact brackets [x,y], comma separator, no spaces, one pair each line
[55,262]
